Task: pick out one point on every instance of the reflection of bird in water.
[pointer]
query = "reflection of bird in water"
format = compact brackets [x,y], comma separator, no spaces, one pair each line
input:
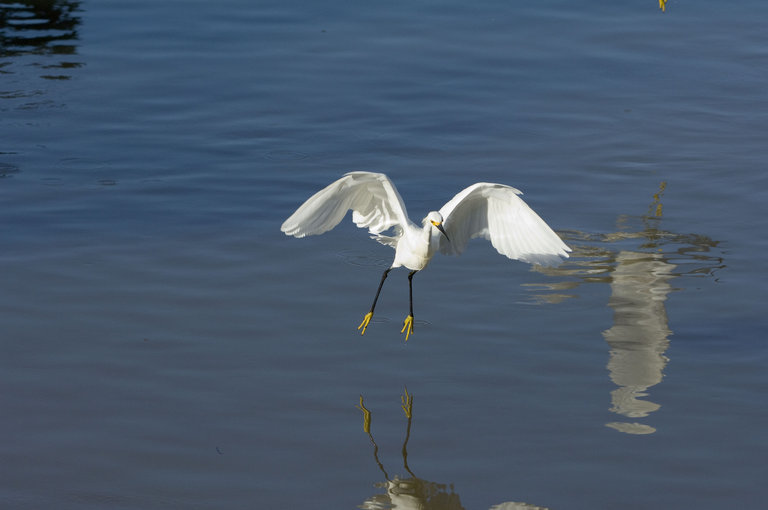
[639,276]
[413,493]
[406,493]
[492,211]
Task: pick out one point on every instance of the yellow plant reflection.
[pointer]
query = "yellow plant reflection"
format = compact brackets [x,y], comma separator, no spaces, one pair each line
[413,493]
[639,273]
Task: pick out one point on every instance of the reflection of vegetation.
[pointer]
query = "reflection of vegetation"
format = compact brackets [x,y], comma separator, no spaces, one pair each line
[414,493]
[40,27]
[638,262]
[595,255]
[655,210]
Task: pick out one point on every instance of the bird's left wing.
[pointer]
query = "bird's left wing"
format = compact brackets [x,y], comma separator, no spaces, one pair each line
[497,213]
[373,199]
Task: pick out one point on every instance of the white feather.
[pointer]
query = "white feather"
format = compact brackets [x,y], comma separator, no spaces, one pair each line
[492,211]
[373,199]
[497,213]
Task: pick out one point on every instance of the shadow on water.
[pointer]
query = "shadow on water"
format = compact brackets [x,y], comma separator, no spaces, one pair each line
[412,492]
[638,262]
[41,35]
[37,40]
[38,27]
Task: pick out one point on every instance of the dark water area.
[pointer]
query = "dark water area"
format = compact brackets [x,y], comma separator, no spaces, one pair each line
[164,345]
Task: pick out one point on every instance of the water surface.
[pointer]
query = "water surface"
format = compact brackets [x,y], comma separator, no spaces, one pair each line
[165,346]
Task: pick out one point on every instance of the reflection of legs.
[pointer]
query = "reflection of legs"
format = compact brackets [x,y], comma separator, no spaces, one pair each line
[406,402]
[364,325]
[408,323]
[407,405]
[367,428]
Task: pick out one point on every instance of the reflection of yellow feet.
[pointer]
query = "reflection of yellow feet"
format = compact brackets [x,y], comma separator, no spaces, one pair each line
[407,404]
[366,416]
[364,325]
[407,327]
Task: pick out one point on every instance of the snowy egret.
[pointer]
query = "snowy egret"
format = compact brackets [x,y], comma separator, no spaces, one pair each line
[492,211]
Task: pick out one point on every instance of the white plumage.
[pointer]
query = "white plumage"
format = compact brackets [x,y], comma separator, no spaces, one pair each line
[373,199]
[492,211]
[497,213]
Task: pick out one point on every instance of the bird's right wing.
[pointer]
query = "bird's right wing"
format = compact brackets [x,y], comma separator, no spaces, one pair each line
[373,199]
[497,213]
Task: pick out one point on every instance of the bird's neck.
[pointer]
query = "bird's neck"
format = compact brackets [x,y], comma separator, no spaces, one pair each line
[427,235]
[426,231]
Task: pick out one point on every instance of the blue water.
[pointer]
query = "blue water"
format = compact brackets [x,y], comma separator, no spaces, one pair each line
[164,345]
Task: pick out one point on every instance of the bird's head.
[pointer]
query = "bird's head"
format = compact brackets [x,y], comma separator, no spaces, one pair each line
[435,219]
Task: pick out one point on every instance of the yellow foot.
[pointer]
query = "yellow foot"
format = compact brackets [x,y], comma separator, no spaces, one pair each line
[364,325]
[407,327]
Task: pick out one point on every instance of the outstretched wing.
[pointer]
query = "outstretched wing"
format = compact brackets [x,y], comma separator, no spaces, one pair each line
[497,213]
[373,199]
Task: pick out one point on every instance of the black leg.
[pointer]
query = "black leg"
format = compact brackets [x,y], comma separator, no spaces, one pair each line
[378,291]
[367,318]
[408,323]
[410,289]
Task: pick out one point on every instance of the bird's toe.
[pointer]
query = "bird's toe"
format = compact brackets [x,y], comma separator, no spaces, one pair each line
[407,327]
[364,325]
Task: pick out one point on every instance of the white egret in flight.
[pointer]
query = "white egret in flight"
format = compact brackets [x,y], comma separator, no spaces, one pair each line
[492,211]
